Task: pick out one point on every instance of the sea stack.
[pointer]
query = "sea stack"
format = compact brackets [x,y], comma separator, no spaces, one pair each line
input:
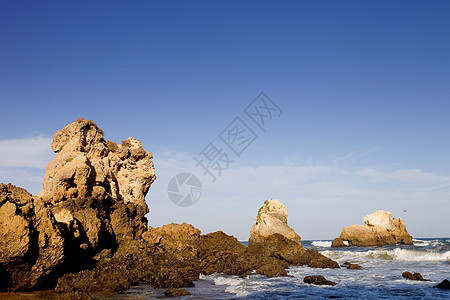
[379,229]
[93,200]
[97,185]
[271,219]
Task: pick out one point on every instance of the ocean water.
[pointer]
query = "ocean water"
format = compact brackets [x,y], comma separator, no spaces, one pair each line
[379,278]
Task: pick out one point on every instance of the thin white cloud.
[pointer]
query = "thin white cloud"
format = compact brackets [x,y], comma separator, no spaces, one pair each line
[33,152]
[311,191]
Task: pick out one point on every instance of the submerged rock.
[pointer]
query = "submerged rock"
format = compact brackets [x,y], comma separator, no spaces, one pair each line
[445,285]
[379,229]
[318,280]
[173,292]
[271,219]
[411,276]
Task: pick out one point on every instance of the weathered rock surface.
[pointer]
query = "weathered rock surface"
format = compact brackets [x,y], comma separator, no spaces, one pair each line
[32,247]
[318,280]
[271,219]
[95,188]
[379,229]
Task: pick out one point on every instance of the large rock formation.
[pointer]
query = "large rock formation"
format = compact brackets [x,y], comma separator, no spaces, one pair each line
[271,219]
[97,188]
[379,229]
[270,236]
[93,199]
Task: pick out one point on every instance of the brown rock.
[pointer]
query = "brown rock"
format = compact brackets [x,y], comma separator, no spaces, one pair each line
[353,267]
[32,247]
[379,229]
[411,276]
[173,292]
[318,280]
[272,267]
[284,249]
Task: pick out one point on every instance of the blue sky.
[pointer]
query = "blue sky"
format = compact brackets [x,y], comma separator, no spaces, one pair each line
[364,87]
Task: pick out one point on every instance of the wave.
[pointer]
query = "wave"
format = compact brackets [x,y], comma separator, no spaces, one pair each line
[234,284]
[395,254]
[435,242]
[323,244]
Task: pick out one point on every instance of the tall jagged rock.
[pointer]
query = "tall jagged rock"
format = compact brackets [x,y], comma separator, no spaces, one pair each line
[96,188]
[271,219]
[271,237]
[32,245]
[379,229]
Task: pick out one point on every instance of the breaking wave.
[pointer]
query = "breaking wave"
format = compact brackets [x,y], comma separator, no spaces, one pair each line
[394,254]
[323,244]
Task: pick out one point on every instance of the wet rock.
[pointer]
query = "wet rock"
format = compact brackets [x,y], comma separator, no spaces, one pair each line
[350,266]
[318,280]
[411,276]
[173,292]
[379,229]
[445,285]
[271,219]
[281,248]
[323,262]
[272,268]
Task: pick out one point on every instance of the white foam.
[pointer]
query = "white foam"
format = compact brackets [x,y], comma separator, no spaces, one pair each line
[324,244]
[412,255]
[241,287]
[417,242]
[395,254]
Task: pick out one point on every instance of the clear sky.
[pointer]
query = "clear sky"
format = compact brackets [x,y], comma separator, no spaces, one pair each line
[364,87]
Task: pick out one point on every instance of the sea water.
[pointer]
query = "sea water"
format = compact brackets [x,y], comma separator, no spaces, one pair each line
[379,278]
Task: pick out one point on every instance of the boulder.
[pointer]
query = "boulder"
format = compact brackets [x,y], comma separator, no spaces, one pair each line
[318,280]
[32,245]
[411,276]
[445,285]
[271,219]
[95,188]
[379,229]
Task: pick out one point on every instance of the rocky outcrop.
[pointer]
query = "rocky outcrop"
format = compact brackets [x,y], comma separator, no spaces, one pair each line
[271,219]
[95,188]
[318,280]
[32,245]
[93,199]
[284,249]
[379,229]
[271,237]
